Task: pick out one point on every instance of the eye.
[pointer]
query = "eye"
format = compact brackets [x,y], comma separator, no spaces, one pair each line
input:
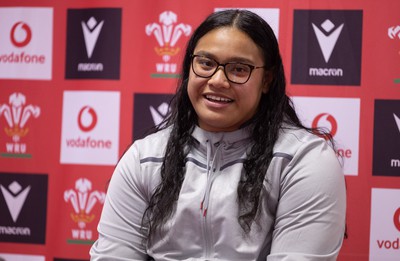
[239,69]
[205,63]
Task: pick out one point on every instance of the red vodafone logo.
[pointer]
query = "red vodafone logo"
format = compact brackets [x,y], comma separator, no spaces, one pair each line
[396,219]
[21,34]
[325,117]
[87,119]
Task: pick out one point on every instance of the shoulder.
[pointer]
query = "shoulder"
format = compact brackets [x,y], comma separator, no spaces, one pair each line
[139,166]
[310,158]
[313,162]
[149,150]
[152,145]
[292,139]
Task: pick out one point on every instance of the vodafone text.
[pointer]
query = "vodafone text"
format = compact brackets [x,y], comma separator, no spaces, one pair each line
[345,153]
[387,244]
[89,143]
[22,58]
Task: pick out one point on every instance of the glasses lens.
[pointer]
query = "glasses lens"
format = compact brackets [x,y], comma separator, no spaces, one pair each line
[237,72]
[203,66]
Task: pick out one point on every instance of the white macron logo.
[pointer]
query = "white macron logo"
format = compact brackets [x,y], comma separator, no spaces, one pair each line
[91,31]
[15,203]
[397,119]
[327,40]
[394,32]
[160,113]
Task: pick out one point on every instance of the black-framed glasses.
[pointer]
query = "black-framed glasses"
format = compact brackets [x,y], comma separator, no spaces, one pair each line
[235,72]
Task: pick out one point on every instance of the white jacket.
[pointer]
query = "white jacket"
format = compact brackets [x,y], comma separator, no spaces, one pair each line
[303,202]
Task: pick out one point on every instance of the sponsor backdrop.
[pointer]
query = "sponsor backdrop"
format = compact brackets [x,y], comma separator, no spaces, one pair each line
[79,81]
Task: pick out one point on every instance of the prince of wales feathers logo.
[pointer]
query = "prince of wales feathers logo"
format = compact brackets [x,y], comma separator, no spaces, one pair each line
[83,200]
[167,34]
[17,114]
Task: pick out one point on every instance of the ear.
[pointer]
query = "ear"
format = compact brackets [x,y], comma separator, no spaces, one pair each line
[266,81]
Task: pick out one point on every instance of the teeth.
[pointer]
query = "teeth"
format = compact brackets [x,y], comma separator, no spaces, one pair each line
[216,98]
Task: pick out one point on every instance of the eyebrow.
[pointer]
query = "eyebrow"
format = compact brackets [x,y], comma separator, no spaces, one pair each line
[229,60]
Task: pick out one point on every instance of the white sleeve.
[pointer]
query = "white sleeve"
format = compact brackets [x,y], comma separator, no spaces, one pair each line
[120,234]
[310,219]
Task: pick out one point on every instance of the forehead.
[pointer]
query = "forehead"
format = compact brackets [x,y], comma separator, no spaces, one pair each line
[228,43]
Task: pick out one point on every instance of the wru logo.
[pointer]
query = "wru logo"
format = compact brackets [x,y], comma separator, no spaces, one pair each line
[17,114]
[167,34]
[83,200]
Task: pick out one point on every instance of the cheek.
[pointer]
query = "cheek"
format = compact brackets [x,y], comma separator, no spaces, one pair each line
[251,99]
[192,80]
[195,86]
[192,89]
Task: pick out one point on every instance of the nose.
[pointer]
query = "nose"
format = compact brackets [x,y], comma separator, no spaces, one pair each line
[219,78]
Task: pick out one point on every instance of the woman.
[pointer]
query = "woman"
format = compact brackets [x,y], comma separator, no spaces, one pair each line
[232,174]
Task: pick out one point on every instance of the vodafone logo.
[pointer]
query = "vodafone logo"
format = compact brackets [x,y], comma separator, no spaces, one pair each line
[87,119]
[321,119]
[389,244]
[90,131]
[26,43]
[21,34]
[396,219]
[384,242]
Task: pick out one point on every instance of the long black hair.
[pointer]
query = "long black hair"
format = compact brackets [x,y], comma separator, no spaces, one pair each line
[275,108]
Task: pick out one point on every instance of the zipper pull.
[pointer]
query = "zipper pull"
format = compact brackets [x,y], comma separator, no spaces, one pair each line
[201,208]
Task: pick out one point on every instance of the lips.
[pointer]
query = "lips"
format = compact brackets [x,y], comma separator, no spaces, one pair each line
[214,98]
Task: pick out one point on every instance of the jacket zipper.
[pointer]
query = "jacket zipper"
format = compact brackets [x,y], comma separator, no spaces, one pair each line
[205,236]
[205,229]
[206,199]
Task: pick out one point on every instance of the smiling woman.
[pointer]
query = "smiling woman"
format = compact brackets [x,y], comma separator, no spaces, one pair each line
[231,174]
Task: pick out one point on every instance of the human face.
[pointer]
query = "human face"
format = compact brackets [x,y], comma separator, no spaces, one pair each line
[222,105]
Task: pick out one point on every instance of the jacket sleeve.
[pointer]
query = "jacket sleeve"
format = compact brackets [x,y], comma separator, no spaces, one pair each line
[120,234]
[310,217]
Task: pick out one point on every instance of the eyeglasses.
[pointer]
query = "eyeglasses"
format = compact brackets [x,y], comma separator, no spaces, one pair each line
[235,72]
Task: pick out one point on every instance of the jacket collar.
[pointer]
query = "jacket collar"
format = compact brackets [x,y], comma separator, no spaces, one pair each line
[228,138]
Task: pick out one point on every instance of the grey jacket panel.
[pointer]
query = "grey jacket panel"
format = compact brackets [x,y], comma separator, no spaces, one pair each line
[302,211]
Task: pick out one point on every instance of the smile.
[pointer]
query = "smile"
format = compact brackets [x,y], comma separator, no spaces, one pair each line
[217,99]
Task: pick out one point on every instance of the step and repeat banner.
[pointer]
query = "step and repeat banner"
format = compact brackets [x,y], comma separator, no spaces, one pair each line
[81,80]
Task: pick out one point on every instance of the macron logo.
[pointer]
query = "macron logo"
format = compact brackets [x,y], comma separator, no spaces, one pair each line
[91,31]
[160,113]
[397,120]
[394,32]
[15,199]
[327,40]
